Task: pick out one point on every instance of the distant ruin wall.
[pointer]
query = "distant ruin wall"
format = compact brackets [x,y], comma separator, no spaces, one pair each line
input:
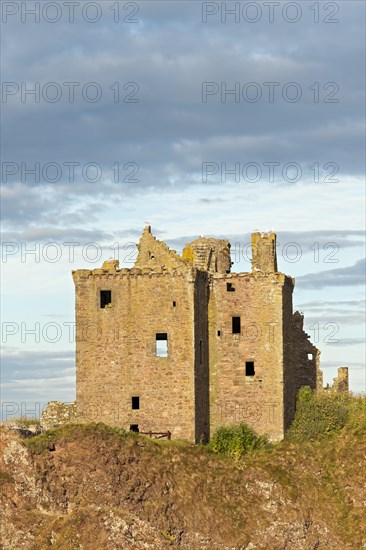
[57,413]
[340,382]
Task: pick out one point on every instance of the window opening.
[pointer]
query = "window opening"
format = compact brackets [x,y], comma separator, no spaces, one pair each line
[236,325]
[105,298]
[249,368]
[161,344]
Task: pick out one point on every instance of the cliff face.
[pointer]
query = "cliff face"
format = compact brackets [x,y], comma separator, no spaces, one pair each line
[87,487]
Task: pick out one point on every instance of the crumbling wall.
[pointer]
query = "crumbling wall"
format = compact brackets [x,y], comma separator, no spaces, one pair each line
[56,413]
[210,255]
[340,382]
[301,360]
[153,253]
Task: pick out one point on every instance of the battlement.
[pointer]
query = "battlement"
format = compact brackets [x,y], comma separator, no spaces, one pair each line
[204,254]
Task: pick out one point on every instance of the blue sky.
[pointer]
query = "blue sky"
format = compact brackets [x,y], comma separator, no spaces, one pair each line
[198,121]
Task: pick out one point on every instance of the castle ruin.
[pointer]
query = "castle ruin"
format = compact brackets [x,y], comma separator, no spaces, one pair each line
[180,344]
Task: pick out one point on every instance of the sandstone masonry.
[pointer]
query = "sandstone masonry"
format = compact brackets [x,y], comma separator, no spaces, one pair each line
[181,344]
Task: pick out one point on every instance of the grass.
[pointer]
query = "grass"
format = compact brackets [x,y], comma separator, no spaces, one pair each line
[72,432]
[319,416]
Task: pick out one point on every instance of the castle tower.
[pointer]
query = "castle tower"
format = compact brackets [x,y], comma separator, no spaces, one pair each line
[141,343]
[264,254]
[207,254]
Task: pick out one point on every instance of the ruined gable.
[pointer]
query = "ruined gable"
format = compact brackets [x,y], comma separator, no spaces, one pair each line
[156,254]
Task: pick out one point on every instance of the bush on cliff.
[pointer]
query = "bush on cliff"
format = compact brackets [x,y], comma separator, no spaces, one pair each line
[325,413]
[235,441]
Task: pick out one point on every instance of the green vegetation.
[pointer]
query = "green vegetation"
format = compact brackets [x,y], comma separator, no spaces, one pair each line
[72,432]
[235,441]
[318,415]
[323,414]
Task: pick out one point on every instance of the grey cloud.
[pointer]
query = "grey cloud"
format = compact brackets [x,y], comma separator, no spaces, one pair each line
[344,276]
[303,239]
[344,312]
[189,131]
[347,342]
[20,363]
[32,378]
[350,364]
[335,318]
[323,304]
[54,234]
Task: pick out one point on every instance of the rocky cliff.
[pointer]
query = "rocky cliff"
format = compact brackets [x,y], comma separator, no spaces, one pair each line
[89,487]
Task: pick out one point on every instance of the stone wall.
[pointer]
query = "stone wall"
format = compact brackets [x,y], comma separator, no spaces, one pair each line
[56,413]
[234,396]
[118,361]
[301,357]
[340,382]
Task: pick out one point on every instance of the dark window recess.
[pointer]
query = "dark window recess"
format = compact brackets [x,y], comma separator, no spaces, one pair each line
[105,298]
[174,304]
[161,344]
[230,287]
[236,325]
[249,368]
[135,402]
[219,333]
[134,428]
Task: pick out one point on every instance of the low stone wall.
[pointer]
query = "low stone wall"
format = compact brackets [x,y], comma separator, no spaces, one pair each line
[57,413]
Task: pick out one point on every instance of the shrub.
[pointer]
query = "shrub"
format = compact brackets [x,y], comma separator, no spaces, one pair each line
[235,441]
[325,413]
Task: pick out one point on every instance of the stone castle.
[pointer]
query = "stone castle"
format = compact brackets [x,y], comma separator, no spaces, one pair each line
[180,344]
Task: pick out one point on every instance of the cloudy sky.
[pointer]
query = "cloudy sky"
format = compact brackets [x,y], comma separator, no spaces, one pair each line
[203,118]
